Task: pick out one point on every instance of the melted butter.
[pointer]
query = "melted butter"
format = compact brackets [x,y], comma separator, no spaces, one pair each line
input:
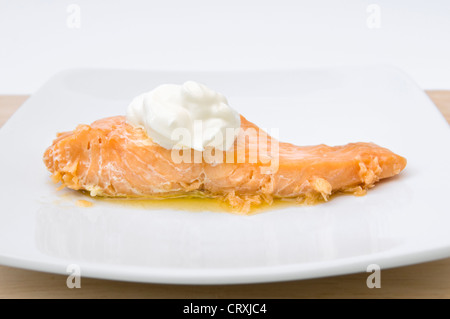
[83,203]
[202,204]
[194,204]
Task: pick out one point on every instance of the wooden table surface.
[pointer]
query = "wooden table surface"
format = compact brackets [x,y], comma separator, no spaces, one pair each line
[427,280]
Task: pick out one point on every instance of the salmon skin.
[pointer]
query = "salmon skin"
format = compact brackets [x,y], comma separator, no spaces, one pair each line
[112,158]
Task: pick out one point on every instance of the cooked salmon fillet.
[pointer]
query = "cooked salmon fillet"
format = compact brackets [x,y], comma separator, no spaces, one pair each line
[112,158]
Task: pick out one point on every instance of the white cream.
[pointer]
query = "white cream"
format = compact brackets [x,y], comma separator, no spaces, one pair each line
[189,115]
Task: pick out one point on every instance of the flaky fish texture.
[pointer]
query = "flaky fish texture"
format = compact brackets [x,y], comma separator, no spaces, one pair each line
[112,158]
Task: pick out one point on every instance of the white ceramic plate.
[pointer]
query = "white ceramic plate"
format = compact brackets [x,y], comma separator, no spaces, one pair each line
[401,221]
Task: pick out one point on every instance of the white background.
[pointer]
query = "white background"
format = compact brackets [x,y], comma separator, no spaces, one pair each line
[36,42]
